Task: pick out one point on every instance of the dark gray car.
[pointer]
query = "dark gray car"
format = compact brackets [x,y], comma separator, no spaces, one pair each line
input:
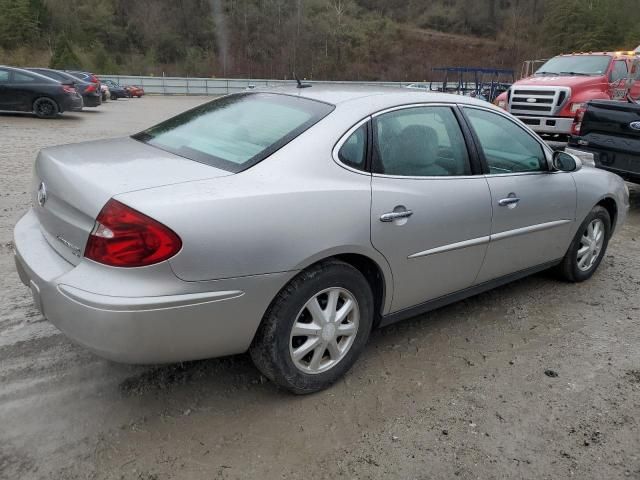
[90,96]
[25,91]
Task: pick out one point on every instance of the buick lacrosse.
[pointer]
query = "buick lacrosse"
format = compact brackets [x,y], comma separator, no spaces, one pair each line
[290,222]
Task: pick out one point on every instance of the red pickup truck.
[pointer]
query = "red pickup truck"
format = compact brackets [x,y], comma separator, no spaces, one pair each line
[548,100]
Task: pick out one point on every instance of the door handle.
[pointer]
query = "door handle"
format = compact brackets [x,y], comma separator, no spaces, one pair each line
[390,217]
[505,202]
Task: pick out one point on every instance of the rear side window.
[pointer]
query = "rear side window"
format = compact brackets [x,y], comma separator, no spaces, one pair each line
[24,78]
[4,76]
[235,132]
[420,142]
[354,151]
[52,74]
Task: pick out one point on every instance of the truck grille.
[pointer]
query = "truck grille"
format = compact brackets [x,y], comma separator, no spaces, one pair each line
[542,101]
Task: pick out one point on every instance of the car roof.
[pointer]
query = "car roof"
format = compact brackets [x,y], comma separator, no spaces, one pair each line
[29,72]
[61,72]
[337,94]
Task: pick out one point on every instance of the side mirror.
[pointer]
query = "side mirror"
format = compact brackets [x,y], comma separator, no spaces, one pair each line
[566,162]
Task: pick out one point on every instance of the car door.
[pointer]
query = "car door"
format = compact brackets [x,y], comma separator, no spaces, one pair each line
[4,89]
[533,208]
[617,80]
[21,90]
[431,207]
[634,90]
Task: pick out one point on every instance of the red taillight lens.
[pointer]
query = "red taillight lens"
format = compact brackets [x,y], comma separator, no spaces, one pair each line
[577,122]
[124,237]
[68,89]
[90,88]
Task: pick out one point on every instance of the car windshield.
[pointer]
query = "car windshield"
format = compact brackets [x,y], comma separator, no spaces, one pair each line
[236,131]
[576,65]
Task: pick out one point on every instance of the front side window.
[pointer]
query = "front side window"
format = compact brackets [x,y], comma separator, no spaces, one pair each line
[620,71]
[237,131]
[354,151]
[507,148]
[420,142]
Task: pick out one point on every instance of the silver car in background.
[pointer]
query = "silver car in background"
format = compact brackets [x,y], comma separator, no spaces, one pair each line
[291,222]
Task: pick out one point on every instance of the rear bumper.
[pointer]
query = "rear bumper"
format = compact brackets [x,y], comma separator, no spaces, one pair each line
[550,125]
[199,320]
[92,100]
[72,104]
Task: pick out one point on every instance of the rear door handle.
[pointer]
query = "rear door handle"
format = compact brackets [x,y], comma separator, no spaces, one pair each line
[390,217]
[505,202]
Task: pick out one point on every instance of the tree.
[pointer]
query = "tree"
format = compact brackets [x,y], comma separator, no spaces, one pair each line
[64,58]
[18,25]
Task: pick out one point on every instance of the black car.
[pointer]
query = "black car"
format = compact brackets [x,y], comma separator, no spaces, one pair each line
[88,77]
[91,95]
[607,136]
[116,90]
[25,91]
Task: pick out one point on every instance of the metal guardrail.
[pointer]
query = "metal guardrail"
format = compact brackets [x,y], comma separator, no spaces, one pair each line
[217,86]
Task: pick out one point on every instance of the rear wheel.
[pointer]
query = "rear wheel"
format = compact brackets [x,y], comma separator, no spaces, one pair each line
[588,247]
[114,97]
[45,108]
[315,329]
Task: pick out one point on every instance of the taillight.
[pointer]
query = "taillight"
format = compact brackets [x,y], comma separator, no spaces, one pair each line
[90,88]
[576,128]
[68,89]
[124,237]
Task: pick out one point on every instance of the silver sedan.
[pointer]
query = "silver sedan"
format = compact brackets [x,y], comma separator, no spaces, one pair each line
[291,222]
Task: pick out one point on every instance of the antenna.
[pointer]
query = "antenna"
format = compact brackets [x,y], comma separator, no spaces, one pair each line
[300,84]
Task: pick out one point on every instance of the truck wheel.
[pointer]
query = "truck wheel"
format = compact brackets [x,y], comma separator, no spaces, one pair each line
[315,328]
[588,247]
[45,107]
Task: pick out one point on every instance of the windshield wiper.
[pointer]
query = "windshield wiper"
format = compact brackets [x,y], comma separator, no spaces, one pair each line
[582,74]
[547,73]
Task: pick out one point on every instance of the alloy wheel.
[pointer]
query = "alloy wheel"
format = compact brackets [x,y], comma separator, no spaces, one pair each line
[591,245]
[324,330]
[45,108]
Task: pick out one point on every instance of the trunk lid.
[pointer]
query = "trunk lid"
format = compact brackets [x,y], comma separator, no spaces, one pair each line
[72,183]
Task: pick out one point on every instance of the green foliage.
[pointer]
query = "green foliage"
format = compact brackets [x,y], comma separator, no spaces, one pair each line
[593,25]
[18,23]
[337,39]
[64,58]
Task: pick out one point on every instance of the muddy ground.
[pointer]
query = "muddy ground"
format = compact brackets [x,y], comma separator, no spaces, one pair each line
[459,393]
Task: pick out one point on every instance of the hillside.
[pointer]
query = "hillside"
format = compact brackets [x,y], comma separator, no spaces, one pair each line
[321,39]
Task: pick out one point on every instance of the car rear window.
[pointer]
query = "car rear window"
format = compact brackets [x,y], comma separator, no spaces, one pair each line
[237,131]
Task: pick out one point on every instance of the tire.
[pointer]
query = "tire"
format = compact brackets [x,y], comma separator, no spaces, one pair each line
[114,97]
[45,107]
[273,346]
[571,268]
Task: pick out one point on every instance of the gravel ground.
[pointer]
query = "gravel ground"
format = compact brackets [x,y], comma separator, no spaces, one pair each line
[462,393]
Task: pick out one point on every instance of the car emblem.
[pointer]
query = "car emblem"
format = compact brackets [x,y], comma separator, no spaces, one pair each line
[635,125]
[532,100]
[42,194]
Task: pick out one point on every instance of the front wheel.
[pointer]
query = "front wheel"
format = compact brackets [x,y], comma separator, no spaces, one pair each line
[588,247]
[45,108]
[315,328]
